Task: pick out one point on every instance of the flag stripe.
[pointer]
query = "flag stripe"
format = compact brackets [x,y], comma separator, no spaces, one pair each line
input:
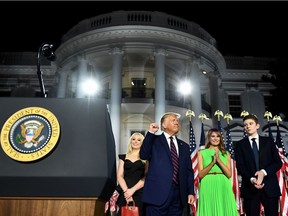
[193,152]
[235,182]
[282,174]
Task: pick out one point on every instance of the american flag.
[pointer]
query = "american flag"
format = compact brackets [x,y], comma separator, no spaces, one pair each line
[271,136]
[192,143]
[221,130]
[244,133]
[229,142]
[235,182]
[193,152]
[282,174]
[111,204]
[202,138]
[270,131]
[279,142]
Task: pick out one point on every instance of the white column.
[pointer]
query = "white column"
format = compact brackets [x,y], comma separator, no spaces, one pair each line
[116,95]
[196,104]
[160,56]
[214,98]
[82,71]
[61,93]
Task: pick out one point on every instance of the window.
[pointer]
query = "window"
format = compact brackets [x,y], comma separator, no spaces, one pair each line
[268,102]
[138,87]
[235,107]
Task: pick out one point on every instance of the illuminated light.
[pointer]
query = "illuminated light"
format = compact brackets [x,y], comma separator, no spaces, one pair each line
[185,88]
[90,87]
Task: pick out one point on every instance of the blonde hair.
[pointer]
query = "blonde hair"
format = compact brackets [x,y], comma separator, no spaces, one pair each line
[129,149]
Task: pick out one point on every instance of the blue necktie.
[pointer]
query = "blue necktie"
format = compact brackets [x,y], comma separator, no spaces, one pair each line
[175,161]
[255,152]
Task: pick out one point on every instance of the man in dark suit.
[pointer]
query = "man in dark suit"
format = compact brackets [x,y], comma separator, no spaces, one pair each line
[168,187]
[259,180]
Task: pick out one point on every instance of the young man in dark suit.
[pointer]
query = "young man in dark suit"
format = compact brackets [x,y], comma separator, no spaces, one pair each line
[168,187]
[258,170]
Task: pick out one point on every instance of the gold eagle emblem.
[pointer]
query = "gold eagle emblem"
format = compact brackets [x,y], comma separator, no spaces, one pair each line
[30,131]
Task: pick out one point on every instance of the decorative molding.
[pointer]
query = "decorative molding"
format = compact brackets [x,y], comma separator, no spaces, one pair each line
[149,35]
[116,51]
[161,52]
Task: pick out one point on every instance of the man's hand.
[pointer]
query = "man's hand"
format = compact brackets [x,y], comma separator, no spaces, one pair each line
[258,186]
[153,127]
[260,176]
[191,199]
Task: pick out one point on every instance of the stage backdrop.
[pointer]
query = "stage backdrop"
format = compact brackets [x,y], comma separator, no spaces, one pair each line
[81,164]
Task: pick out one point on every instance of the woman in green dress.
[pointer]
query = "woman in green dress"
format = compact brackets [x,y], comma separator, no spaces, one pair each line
[215,188]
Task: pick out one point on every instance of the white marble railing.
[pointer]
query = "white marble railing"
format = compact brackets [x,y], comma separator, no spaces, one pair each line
[160,19]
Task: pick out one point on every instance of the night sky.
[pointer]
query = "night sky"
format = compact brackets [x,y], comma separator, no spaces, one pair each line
[240,28]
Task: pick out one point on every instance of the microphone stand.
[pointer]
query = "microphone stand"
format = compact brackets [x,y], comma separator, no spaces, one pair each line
[39,73]
[46,50]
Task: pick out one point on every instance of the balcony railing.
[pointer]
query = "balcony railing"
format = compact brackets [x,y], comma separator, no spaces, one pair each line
[121,18]
[147,95]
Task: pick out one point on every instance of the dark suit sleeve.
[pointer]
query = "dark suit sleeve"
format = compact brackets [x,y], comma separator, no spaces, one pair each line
[244,163]
[191,189]
[270,156]
[146,148]
[186,174]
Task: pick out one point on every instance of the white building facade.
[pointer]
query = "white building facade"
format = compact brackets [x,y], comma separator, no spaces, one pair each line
[140,59]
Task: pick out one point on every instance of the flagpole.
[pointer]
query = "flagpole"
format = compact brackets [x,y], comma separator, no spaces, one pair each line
[190,113]
[243,114]
[277,119]
[202,117]
[218,113]
[235,180]
[193,152]
[267,115]
[282,174]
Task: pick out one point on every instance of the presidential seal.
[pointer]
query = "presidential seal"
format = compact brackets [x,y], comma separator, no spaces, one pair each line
[30,134]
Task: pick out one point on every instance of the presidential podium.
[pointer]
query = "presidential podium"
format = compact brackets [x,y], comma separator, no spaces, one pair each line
[57,157]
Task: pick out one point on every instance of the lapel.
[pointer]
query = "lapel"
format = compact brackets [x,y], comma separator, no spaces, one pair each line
[261,149]
[165,145]
[180,149]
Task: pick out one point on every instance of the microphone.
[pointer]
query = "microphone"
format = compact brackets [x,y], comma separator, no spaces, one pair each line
[44,50]
[48,52]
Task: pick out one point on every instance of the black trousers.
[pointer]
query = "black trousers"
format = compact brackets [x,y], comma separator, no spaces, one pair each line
[270,204]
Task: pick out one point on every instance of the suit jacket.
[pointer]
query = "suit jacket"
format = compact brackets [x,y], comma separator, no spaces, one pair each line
[269,161]
[158,181]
